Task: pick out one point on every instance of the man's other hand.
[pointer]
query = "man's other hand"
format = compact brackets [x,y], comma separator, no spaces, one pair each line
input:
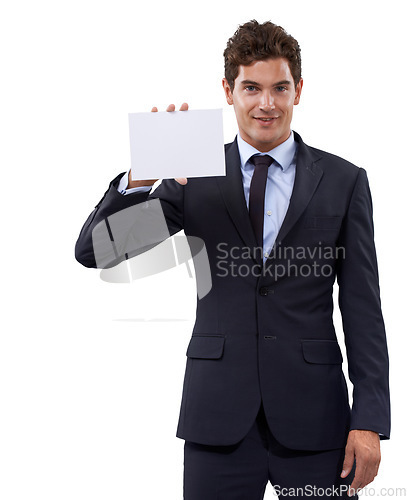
[150,182]
[364,447]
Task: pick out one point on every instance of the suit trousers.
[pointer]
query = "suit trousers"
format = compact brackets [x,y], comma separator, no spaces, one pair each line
[242,471]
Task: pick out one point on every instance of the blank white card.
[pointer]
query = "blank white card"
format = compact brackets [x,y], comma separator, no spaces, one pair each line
[165,144]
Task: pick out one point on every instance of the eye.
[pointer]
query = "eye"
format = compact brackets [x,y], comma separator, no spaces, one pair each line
[250,88]
[281,88]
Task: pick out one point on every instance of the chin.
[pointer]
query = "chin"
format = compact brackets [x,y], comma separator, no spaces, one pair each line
[267,140]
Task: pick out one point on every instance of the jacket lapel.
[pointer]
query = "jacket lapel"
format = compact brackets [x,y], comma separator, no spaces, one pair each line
[307,177]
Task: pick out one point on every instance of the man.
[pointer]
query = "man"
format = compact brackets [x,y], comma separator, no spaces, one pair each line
[264,395]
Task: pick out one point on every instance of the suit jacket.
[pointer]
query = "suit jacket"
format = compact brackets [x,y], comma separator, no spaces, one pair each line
[269,336]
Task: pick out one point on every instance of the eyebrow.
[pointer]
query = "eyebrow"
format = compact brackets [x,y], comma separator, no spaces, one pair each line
[251,82]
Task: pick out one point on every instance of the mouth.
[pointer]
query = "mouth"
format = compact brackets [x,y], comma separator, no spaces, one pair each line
[265,119]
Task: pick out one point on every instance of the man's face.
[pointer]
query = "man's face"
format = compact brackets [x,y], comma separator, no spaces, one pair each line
[263,98]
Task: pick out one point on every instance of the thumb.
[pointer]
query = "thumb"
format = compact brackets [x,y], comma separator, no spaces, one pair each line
[348,460]
[181,180]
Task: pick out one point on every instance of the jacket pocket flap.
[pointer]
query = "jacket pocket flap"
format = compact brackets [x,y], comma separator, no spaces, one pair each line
[322,351]
[205,347]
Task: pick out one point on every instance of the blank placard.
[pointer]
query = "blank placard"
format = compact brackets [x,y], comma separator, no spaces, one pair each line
[165,144]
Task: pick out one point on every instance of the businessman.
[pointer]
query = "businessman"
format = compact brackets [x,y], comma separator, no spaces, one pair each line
[264,397]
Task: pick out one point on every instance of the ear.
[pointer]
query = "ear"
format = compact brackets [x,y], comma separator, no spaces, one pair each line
[228,91]
[298,90]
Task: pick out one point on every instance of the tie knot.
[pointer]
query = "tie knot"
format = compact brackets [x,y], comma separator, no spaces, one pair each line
[261,161]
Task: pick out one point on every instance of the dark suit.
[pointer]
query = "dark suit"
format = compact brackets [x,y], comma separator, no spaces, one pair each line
[271,338]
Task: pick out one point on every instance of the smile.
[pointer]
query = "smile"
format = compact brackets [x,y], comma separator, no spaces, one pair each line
[265,120]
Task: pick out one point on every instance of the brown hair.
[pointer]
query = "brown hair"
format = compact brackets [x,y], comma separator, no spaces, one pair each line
[256,42]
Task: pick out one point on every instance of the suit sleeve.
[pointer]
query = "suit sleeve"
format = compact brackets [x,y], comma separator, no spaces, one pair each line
[117,208]
[363,326]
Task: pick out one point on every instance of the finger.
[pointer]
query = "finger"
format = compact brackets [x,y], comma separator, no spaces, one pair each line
[353,488]
[348,460]
[154,109]
[358,481]
[181,180]
[370,471]
[184,106]
[171,107]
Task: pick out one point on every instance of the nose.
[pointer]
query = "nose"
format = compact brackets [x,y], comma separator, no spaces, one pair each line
[266,102]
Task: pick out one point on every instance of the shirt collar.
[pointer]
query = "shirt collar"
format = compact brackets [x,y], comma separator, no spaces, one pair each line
[283,154]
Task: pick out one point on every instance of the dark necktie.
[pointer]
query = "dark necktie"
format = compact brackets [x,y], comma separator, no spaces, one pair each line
[257,192]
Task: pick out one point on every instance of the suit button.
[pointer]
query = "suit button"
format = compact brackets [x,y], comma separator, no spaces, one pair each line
[263,291]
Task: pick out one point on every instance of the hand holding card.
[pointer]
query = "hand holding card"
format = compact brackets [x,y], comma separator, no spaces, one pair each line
[175,145]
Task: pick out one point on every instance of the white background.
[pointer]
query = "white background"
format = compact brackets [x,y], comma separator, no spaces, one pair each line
[91,372]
